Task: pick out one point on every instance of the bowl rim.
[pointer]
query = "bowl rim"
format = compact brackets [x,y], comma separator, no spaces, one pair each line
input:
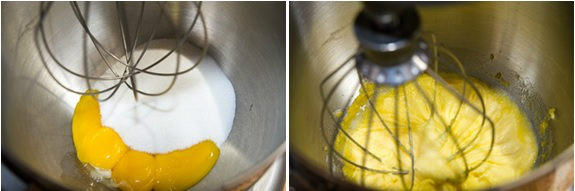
[563,158]
[248,176]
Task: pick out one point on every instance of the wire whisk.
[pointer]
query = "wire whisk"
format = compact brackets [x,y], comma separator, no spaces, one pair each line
[352,98]
[131,65]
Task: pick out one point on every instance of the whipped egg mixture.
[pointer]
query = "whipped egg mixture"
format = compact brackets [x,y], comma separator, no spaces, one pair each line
[168,142]
[437,164]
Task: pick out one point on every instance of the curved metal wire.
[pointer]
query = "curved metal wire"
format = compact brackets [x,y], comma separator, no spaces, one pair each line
[333,83]
[130,67]
[338,121]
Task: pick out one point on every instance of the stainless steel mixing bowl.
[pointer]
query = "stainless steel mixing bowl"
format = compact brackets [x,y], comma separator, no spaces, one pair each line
[524,48]
[247,39]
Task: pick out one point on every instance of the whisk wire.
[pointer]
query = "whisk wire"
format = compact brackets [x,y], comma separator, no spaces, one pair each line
[338,120]
[491,124]
[461,148]
[368,133]
[410,136]
[338,128]
[379,117]
[448,130]
[130,67]
[41,38]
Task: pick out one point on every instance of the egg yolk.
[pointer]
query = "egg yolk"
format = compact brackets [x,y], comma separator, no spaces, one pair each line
[135,171]
[86,121]
[97,145]
[438,163]
[103,148]
[179,170]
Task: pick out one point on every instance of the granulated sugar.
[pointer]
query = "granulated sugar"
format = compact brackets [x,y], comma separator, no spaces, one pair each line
[200,105]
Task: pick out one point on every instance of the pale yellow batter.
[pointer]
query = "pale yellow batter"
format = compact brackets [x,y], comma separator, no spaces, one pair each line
[438,164]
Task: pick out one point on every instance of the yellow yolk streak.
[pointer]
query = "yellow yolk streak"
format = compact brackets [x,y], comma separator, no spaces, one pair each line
[438,166]
[103,148]
[135,171]
[179,170]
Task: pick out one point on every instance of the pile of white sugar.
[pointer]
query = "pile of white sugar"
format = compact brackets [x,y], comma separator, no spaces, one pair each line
[200,105]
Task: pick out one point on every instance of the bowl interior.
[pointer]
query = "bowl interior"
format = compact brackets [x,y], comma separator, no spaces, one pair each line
[245,39]
[523,48]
